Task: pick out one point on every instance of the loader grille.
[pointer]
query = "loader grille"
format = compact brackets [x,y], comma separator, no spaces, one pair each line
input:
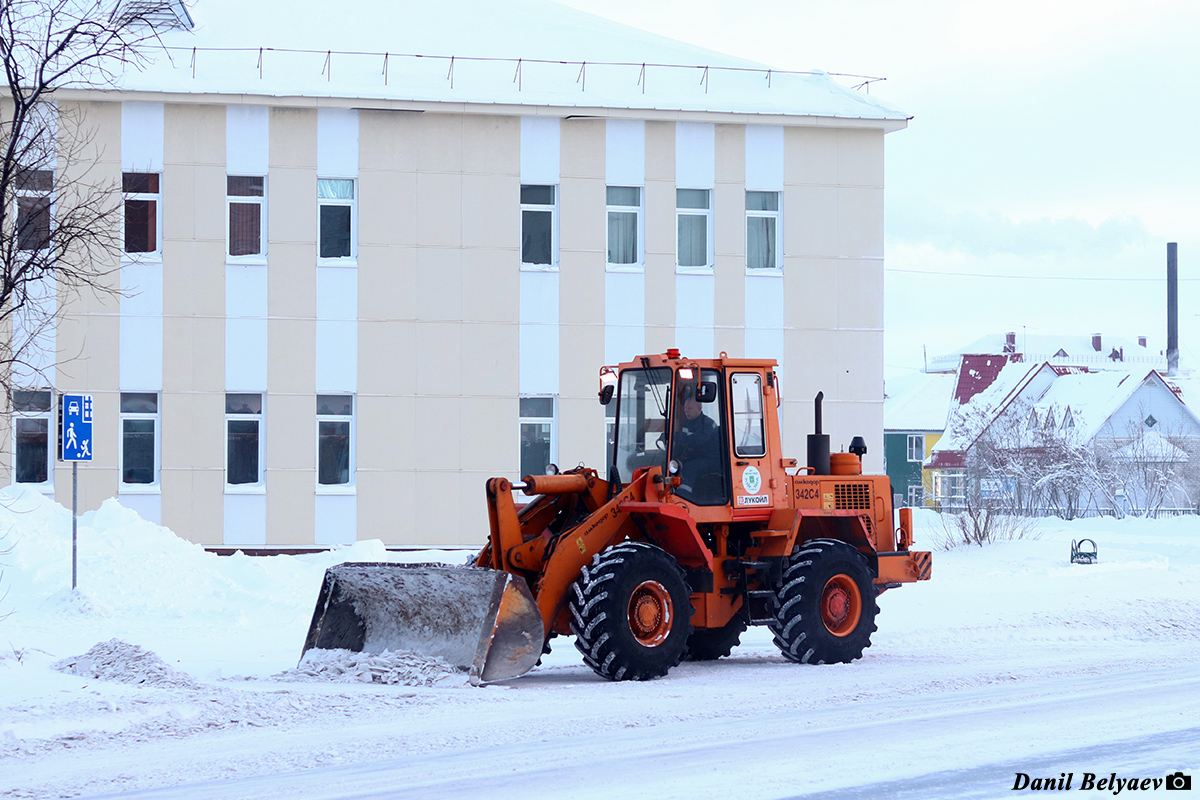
[852,495]
[866,518]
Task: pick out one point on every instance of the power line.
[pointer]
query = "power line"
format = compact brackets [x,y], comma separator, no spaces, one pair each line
[1030,277]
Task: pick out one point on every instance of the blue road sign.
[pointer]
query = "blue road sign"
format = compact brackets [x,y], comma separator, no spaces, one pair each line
[76,431]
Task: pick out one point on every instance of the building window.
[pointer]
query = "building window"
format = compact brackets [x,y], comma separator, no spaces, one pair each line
[748,415]
[33,194]
[693,217]
[949,489]
[538,439]
[246,199]
[539,231]
[244,441]
[31,434]
[335,202]
[916,447]
[762,230]
[335,439]
[139,438]
[624,225]
[142,198]
[916,496]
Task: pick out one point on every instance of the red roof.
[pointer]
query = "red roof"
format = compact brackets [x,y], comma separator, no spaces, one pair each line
[978,372]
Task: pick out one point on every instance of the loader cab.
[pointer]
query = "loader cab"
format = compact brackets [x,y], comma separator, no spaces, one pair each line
[673,418]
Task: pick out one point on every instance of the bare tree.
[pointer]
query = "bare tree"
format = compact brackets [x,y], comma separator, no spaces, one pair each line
[1148,470]
[59,220]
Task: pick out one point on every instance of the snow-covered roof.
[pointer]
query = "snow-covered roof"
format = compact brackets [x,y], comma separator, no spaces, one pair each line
[1057,349]
[1151,447]
[917,402]
[967,421]
[1088,398]
[1092,397]
[520,52]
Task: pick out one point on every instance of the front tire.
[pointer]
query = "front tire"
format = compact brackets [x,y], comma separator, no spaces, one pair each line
[631,613]
[825,605]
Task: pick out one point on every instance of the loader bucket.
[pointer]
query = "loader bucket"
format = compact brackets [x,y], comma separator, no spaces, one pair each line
[482,620]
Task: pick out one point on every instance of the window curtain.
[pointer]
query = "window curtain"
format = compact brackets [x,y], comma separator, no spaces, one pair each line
[760,243]
[622,237]
[693,240]
[335,189]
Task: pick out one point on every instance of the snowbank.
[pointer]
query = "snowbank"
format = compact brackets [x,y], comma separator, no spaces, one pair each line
[143,584]
[129,565]
[115,660]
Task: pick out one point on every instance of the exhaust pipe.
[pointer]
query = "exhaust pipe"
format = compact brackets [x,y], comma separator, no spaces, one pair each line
[818,443]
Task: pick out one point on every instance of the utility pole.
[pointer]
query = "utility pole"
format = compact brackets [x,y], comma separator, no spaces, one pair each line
[1172,309]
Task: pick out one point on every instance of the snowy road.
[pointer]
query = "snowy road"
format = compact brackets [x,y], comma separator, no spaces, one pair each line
[1010,660]
[1136,724]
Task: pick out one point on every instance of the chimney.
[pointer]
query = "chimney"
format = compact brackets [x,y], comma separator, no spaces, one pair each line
[1010,342]
[1172,309]
[1142,341]
[1096,342]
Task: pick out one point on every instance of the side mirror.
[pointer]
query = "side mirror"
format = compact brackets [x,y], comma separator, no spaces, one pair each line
[706,392]
[608,384]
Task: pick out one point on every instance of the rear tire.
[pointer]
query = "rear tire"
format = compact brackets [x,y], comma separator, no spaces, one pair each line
[711,644]
[631,613]
[825,605]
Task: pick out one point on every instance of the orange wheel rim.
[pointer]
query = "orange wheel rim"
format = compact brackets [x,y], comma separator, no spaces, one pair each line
[650,613]
[841,605]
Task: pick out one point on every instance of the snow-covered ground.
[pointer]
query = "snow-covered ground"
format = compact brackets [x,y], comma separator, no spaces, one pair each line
[1011,660]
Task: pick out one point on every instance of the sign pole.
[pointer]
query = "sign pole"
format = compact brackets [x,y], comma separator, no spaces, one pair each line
[75,445]
[74,524]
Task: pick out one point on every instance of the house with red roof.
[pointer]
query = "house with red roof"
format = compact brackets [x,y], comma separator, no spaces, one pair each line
[1069,439]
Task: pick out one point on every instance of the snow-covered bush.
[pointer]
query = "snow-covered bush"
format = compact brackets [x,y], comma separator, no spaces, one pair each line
[982,524]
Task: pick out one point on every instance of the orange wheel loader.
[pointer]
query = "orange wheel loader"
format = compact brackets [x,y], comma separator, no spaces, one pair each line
[699,528]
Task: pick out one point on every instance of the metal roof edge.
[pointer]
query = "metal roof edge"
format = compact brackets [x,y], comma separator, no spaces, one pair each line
[504,109]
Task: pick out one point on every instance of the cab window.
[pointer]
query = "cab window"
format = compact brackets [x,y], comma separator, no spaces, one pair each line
[643,404]
[698,441]
[747,396]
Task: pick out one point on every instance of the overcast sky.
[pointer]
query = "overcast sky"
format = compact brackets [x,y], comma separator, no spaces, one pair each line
[1048,139]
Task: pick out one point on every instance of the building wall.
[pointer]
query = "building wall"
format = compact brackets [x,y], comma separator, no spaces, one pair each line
[87,339]
[1152,399]
[434,326]
[905,474]
[833,286]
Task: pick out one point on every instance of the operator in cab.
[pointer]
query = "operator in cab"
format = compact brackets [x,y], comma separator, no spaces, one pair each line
[696,445]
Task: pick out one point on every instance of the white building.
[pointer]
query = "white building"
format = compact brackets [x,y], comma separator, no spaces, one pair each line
[371,262]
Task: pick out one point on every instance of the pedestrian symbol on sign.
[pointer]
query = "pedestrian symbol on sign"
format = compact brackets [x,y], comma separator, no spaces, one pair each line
[76,427]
